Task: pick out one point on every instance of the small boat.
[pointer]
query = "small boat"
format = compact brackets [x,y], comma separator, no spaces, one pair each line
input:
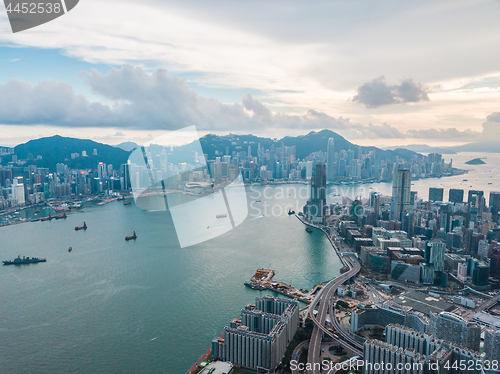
[128,202]
[221,216]
[308,229]
[131,237]
[84,227]
[291,212]
[70,249]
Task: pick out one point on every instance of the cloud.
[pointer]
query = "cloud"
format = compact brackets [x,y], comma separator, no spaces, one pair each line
[141,101]
[377,93]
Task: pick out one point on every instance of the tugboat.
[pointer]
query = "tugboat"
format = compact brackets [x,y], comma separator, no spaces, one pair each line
[131,237]
[49,218]
[308,229]
[70,249]
[291,212]
[24,260]
[84,227]
[128,202]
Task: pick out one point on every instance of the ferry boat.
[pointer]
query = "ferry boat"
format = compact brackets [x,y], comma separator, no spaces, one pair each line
[221,216]
[133,237]
[84,227]
[24,260]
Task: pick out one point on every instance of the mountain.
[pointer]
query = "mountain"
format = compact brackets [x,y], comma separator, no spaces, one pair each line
[127,146]
[491,146]
[304,144]
[58,149]
[424,148]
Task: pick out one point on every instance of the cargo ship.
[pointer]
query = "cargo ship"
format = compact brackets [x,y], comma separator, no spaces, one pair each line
[84,227]
[131,237]
[24,260]
[254,285]
[61,216]
[49,218]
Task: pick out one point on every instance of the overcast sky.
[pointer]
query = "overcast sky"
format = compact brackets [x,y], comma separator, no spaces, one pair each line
[379,73]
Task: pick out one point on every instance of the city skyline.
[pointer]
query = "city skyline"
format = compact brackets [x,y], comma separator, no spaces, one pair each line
[277,82]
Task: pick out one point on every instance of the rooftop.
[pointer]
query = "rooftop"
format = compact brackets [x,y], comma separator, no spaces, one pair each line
[423,303]
[218,367]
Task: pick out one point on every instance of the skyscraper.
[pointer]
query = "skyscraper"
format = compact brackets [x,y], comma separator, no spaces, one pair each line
[495,204]
[455,329]
[314,209]
[401,193]
[330,159]
[456,195]
[435,194]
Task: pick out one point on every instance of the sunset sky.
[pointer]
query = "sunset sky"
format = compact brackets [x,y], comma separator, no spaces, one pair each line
[379,73]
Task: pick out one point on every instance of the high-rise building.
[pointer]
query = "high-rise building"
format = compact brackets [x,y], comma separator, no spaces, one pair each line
[314,209]
[470,198]
[330,160]
[401,193]
[492,344]
[456,195]
[495,204]
[455,329]
[259,339]
[443,355]
[436,194]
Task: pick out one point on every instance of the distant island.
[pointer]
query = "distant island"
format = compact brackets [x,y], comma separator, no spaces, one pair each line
[476,161]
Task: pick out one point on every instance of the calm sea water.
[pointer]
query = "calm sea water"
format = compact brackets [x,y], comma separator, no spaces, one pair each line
[148,306]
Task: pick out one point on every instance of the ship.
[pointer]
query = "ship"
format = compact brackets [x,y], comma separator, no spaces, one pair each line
[24,260]
[308,229]
[84,227]
[131,237]
[291,212]
[61,216]
[221,216]
[70,249]
[49,218]
[128,202]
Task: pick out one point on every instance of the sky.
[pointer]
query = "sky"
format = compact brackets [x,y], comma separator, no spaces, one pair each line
[379,73]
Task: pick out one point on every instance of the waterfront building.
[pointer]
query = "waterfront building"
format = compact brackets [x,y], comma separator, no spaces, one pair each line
[259,340]
[401,193]
[436,194]
[315,207]
[456,195]
[495,204]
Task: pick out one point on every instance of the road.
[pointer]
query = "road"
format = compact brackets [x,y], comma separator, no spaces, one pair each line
[324,300]
[296,354]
